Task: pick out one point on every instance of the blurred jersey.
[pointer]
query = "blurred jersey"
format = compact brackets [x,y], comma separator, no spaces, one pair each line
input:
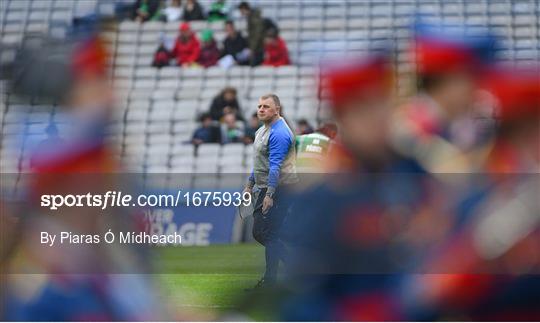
[311,152]
[421,130]
[348,247]
[75,281]
[489,268]
[439,127]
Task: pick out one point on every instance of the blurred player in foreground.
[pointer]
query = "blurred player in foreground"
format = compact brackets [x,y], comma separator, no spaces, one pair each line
[489,268]
[349,240]
[375,244]
[81,278]
[438,127]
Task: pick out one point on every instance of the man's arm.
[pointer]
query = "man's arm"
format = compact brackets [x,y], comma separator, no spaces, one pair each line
[279,144]
[249,186]
[251,180]
[196,51]
[153,7]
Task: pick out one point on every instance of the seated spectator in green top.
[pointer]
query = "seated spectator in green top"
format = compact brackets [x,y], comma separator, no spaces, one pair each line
[209,55]
[218,11]
[145,10]
[232,130]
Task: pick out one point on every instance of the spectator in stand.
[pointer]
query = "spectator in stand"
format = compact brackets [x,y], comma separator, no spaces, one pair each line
[173,12]
[251,128]
[218,11]
[303,127]
[235,45]
[209,51]
[232,130]
[53,141]
[145,10]
[193,11]
[225,102]
[124,10]
[161,57]
[187,49]
[256,32]
[207,132]
[275,50]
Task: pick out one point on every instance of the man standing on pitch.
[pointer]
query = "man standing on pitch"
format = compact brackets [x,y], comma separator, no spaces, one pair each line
[273,171]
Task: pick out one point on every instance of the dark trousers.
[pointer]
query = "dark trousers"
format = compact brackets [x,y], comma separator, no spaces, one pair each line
[267,230]
[257,58]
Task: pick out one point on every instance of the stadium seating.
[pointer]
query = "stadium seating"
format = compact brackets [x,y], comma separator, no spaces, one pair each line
[157,109]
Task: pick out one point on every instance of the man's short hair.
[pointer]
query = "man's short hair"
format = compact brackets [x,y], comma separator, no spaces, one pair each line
[229,22]
[274,98]
[203,116]
[229,114]
[427,83]
[272,33]
[244,5]
[302,122]
[228,89]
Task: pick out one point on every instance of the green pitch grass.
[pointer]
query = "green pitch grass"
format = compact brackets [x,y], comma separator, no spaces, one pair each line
[208,278]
